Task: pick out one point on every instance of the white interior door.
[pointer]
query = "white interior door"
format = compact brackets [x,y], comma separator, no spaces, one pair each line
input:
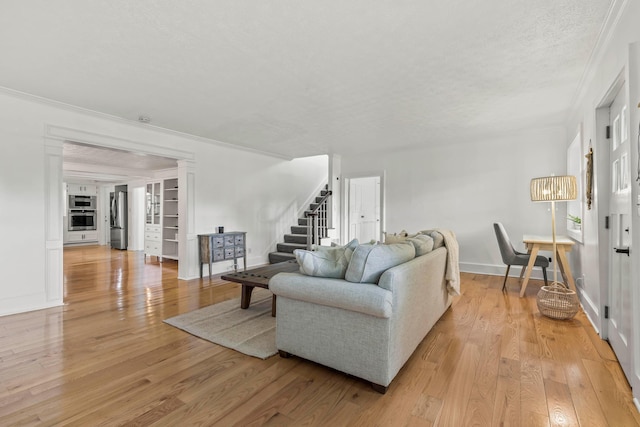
[619,323]
[364,209]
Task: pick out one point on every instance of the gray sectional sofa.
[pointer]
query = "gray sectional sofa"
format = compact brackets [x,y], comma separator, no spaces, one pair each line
[368,330]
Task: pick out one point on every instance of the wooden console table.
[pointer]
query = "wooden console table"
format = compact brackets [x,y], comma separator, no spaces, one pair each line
[216,247]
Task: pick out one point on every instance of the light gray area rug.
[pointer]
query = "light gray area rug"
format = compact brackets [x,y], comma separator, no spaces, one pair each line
[251,331]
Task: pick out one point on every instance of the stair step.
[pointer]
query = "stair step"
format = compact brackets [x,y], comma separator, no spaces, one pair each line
[275,257]
[290,247]
[324,192]
[302,222]
[318,199]
[298,229]
[312,206]
[295,238]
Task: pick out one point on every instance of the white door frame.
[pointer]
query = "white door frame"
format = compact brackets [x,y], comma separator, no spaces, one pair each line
[603,182]
[346,181]
[54,137]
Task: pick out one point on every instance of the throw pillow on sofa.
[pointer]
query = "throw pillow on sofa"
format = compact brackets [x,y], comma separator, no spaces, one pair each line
[395,237]
[422,243]
[438,239]
[325,261]
[368,262]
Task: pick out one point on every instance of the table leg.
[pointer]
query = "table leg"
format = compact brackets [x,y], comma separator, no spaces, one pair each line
[532,261]
[273,306]
[565,268]
[522,270]
[245,299]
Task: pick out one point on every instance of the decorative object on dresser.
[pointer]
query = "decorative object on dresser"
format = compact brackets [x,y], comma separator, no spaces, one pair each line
[216,247]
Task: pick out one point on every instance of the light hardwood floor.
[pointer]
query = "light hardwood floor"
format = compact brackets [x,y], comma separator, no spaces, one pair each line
[106,358]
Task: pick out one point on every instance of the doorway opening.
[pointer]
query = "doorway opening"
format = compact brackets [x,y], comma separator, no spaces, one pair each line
[56,172]
[364,213]
[614,241]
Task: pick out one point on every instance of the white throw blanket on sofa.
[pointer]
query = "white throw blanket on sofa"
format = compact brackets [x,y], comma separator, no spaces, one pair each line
[452,272]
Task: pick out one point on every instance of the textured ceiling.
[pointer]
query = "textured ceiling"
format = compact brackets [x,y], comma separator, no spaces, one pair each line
[301,78]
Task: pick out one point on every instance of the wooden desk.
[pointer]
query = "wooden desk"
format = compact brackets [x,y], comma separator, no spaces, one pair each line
[537,243]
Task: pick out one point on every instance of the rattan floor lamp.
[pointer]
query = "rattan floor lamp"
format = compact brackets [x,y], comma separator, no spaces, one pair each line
[556,300]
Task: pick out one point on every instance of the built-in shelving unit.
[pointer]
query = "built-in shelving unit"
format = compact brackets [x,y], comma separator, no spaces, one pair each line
[170,219]
[152,230]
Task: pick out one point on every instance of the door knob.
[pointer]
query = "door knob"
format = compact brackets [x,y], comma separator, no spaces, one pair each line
[622,251]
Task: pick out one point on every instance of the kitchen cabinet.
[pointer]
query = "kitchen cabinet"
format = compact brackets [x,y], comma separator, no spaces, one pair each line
[82,236]
[153,240]
[170,218]
[154,203]
[82,189]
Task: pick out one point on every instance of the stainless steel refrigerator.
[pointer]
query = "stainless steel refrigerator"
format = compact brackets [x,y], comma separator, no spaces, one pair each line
[118,207]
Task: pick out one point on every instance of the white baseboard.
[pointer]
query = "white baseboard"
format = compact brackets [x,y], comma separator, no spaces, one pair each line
[499,270]
[26,306]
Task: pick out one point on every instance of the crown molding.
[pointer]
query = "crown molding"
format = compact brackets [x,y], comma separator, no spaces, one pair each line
[611,21]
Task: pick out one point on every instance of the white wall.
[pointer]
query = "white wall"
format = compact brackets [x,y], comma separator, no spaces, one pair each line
[613,58]
[239,189]
[257,194]
[22,205]
[468,186]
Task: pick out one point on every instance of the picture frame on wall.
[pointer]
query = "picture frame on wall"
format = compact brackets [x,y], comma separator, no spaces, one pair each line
[575,161]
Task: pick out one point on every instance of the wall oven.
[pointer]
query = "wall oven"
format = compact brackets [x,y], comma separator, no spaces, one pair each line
[82,202]
[80,220]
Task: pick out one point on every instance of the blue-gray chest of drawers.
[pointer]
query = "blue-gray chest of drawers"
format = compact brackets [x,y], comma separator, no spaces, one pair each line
[216,247]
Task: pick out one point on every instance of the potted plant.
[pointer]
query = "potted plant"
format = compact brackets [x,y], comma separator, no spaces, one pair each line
[577,222]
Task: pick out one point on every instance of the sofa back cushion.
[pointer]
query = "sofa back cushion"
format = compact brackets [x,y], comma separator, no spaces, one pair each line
[438,239]
[368,262]
[422,243]
[325,261]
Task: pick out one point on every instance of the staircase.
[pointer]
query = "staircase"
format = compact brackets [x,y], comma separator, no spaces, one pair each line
[302,236]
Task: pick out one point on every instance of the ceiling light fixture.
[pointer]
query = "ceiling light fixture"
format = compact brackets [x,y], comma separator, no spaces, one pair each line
[144,119]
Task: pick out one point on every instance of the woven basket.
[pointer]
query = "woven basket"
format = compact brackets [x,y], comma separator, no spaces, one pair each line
[557,302]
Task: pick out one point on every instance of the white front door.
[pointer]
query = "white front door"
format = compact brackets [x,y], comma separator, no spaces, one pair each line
[364,209]
[619,323]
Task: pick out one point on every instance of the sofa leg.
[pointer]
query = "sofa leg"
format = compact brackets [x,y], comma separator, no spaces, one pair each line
[379,388]
[284,354]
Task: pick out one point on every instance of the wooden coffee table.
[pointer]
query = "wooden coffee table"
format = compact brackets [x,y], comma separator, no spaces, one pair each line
[259,277]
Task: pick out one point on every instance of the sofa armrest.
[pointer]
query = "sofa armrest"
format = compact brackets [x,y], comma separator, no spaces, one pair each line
[428,268]
[364,298]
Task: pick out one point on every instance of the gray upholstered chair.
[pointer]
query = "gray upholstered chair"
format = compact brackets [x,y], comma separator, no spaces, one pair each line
[512,257]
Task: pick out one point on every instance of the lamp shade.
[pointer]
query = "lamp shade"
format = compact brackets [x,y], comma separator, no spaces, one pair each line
[554,188]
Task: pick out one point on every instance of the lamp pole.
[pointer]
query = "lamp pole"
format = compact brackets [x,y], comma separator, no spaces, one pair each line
[553,235]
